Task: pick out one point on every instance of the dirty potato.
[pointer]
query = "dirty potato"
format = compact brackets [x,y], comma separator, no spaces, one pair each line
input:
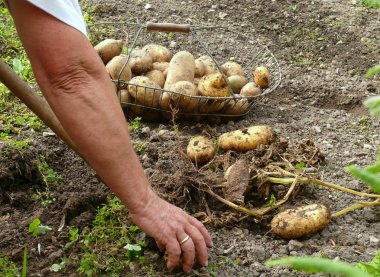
[209,65]
[201,149]
[161,66]
[296,223]
[213,85]
[186,103]
[156,76]
[140,61]
[145,91]
[158,53]
[237,82]
[109,48]
[250,89]
[181,68]
[261,76]
[115,66]
[246,139]
[232,68]
[236,107]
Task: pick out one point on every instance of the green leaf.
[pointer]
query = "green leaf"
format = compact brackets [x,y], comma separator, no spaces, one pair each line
[367,177]
[372,268]
[17,66]
[24,262]
[36,229]
[33,226]
[373,103]
[300,165]
[315,265]
[61,265]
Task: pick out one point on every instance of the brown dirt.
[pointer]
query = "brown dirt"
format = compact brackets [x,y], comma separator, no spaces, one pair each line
[323,47]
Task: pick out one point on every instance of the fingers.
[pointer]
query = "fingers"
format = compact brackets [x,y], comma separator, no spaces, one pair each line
[203,230]
[199,243]
[174,253]
[188,252]
[160,246]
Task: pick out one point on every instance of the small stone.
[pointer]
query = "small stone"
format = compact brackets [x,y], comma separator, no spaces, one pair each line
[373,239]
[172,44]
[148,7]
[294,245]
[145,130]
[317,129]
[162,132]
[222,15]
[48,134]
[367,146]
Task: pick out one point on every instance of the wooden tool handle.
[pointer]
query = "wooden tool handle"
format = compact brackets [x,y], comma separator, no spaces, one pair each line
[168,27]
[34,102]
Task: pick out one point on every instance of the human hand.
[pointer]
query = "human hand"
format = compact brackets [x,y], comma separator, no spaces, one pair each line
[169,226]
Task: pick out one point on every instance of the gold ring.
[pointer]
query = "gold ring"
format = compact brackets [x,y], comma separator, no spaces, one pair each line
[184,240]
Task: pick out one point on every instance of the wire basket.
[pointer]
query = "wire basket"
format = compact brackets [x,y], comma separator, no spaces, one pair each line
[222,44]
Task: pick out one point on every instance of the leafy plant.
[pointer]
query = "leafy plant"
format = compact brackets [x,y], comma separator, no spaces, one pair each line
[74,236]
[8,268]
[135,124]
[37,229]
[60,266]
[371,3]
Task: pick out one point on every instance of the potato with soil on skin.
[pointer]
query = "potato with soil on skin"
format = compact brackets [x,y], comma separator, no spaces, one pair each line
[237,82]
[140,61]
[124,97]
[145,91]
[145,113]
[199,68]
[209,65]
[236,107]
[201,149]
[295,223]
[232,68]
[210,106]
[158,53]
[185,103]
[161,66]
[109,48]
[261,76]
[246,139]
[213,85]
[115,66]
[250,89]
[181,68]
[156,76]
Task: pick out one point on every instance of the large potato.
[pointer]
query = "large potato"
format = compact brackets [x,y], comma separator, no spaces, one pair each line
[145,91]
[237,82]
[213,85]
[185,103]
[232,68]
[246,139]
[156,76]
[295,223]
[199,68]
[209,65]
[109,48]
[201,149]
[161,66]
[140,61]
[261,76]
[158,53]
[250,89]
[181,68]
[236,107]
[115,66]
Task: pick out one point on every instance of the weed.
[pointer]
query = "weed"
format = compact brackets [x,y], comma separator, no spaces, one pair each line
[74,236]
[371,3]
[135,124]
[25,262]
[140,148]
[8,268]
[60,266]
[271,201]
[37,229]
[111,244]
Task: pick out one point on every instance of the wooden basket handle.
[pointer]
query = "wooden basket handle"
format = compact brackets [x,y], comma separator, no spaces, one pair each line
[168,27]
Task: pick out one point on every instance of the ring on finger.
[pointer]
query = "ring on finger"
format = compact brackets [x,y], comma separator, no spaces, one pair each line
[184,240]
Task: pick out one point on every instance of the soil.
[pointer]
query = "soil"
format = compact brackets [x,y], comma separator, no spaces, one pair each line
[323,48]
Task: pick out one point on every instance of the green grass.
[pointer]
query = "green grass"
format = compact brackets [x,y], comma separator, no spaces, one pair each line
[112,243]
[371,3]
[8,268]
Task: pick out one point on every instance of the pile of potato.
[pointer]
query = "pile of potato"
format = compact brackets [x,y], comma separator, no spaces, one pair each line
[155,78]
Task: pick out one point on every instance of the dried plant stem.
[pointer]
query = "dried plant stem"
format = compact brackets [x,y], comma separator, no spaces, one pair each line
[303,180]
[356,206]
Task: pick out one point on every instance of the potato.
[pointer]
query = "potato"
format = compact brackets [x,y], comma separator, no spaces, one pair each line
[145,113]
[237,177]
[124,97]
[232,68]
[161,66]
[196,81]
[261,76]
[145,91]
[237,82]
[295,223]
[201,149]
[209,65]
[236,107]
[250,89]
[109,48]
[114,67]
[209,106]
[199,68]
[181,68]
[213,85]
[140,61]
[158,53]
[185,103]
[156,76]
[246,139]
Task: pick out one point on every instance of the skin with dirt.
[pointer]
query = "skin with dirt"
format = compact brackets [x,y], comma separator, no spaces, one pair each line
[323,47]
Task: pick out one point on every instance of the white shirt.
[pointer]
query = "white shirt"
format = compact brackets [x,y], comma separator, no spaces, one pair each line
[67,11]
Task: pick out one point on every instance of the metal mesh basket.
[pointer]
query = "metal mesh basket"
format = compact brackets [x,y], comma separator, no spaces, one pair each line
[220,43]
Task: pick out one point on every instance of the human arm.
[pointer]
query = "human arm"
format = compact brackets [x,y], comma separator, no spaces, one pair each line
[74,81]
